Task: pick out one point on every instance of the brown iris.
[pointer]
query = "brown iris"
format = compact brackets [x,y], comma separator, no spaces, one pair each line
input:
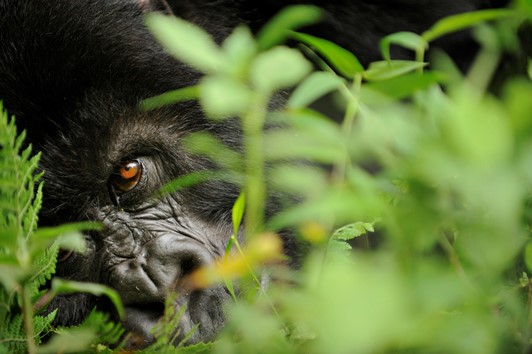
[126,176]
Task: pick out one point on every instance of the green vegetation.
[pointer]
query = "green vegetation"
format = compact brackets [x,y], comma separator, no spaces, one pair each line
[449,194]
[28,258]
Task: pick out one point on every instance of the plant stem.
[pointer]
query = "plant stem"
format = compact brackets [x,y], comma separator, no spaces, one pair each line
[255,189]
[420,58]
[352,106]
[347,124]
[482,70]
[529,321]
[454,260]
[27,313]
[340,168]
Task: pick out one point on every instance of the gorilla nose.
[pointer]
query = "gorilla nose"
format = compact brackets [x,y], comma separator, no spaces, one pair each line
[158,268]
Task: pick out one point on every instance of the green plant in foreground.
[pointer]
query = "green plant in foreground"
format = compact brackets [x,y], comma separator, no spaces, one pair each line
[449,193]
[24,264]
[450,196]
[28,258]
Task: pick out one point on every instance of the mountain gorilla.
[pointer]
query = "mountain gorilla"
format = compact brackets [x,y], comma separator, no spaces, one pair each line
[73,73]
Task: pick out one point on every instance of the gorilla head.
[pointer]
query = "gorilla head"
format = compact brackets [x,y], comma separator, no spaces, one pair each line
[73,73]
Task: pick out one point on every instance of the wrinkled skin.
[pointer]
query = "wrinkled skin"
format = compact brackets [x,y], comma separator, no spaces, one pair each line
[73,73]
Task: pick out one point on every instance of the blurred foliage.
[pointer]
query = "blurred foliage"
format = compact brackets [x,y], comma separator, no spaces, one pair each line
[428,168]
[424,157]
[28,258]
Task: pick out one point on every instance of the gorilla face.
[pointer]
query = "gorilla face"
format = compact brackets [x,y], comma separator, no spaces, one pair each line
[110,170]
[73,73]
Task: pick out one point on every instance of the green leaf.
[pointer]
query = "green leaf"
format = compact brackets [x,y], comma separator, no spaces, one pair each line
[197,348]
[187,42]
[300,180]
[351,231]
[206,144]
[237,215]
[188,180]
[280,67]
[385,70]
[316,125]
[239,49]
[75,340]
[68,235]
[408,40]
[528,256]
[342,60]
[238,212]
[73,241]
[44,323]
[10,275]
[171,97]
[52,232]
[313,87]
[60,286]
[313,137]
[194,178]
[9,238]
[462,21]
[284,145]
[44,265]
[348,232]
[404,86]
[445,64]
[223,97]
[290,18]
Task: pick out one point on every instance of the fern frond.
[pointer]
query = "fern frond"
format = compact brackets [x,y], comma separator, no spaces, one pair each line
[87,337]
[108,332]
[25,265]
[32,217]
[43,325]
[12,335]
[44,267]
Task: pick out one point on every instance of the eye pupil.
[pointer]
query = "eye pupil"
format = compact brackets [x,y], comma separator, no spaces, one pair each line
[126,176]
[130,170]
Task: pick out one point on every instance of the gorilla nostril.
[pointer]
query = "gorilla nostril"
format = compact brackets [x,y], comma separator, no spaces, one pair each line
[190,264]
[172,258]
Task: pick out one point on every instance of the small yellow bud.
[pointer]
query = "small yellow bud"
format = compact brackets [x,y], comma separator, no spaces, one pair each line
[313,232]
[262,249]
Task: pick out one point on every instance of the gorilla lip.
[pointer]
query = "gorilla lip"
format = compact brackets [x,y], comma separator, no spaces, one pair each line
[139,320]
[142,319]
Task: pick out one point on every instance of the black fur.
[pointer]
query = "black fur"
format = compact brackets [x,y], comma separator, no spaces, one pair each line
[73,73]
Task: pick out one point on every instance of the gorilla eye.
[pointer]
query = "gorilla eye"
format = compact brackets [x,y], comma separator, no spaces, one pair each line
[126,176]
